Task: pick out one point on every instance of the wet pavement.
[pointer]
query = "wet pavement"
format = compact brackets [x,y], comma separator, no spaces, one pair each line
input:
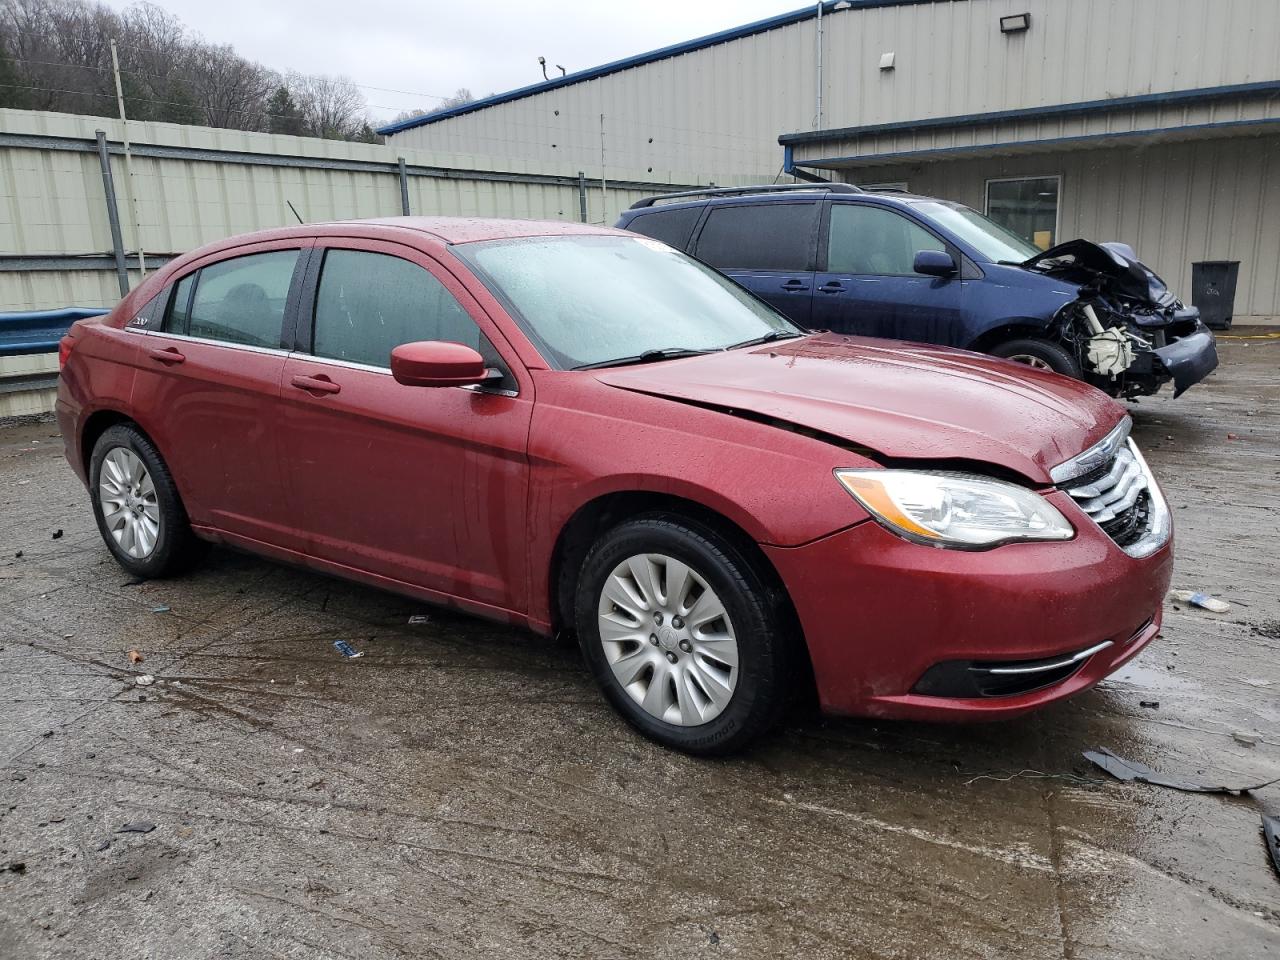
[462,791]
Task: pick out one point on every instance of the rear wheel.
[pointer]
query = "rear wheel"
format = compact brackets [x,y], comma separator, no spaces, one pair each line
[684,635]
[1040,355]
[137,507]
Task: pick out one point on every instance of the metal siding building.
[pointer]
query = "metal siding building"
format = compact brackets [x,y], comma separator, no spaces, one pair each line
[1154,122]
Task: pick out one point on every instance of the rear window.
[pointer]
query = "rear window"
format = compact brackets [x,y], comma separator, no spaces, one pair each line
[766,236]
[670,226]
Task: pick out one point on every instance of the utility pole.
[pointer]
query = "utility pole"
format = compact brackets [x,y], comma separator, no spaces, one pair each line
[604,184]
[128,163]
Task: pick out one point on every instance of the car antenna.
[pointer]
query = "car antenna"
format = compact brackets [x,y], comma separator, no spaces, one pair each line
[295,211]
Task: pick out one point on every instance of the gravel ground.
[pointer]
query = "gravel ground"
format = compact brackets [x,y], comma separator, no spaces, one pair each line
[462,791]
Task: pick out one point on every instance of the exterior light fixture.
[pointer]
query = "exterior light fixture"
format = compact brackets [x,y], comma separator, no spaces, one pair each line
[886,61]
[1015,23]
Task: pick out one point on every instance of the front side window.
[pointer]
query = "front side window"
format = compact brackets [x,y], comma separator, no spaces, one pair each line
[765,236]
[1026,207]
[875,241]
[991,240]
[237,301]
[370,303]
[591,300]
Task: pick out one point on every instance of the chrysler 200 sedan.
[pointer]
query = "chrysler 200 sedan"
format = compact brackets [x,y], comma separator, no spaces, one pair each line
[580,430]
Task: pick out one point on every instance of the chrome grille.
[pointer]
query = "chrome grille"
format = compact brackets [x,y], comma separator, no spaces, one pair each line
[1113,486]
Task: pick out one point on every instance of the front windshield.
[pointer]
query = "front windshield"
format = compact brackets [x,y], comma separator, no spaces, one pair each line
[986,236]
[590,300]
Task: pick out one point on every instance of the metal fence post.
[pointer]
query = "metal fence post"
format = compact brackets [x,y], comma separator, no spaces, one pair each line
[582,196]
[113,213]
[404,188]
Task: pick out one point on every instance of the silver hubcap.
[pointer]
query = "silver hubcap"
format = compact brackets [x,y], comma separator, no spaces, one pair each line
[668,639]
[1031,361]
[127,498]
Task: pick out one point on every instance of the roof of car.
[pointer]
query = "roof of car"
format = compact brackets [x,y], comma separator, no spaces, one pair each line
[466,229]
[872,195]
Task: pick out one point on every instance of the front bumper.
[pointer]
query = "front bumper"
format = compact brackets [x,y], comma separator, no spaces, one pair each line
[1190,359]
[879,612]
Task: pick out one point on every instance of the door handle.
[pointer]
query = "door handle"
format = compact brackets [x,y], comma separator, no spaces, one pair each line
[795,285]
[166,355]
[317,384]
[831,286]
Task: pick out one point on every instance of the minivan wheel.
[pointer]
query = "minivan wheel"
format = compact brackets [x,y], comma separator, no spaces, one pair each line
[1040,354]
[683,635]
[137,507]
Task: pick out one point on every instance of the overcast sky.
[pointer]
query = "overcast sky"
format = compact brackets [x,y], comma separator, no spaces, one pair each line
[431,47]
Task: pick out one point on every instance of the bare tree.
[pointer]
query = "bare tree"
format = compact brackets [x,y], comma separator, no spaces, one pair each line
[332,107]
[231,91]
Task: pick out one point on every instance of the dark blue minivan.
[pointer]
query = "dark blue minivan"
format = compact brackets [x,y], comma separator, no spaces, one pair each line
[891,264]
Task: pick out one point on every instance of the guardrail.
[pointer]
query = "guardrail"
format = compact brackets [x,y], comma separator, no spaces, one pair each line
[29,357]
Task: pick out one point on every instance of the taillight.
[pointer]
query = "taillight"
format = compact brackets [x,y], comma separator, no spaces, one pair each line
[64,350]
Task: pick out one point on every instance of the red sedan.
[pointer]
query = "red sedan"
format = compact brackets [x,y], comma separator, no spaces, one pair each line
[578,429]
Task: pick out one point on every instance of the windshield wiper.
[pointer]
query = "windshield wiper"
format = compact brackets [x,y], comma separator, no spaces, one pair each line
[648,356]
[769,337]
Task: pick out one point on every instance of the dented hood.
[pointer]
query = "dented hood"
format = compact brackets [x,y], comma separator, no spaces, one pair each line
[1111,264]
[900,400]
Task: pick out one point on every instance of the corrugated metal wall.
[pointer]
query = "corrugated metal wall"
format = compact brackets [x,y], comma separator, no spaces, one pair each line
[52,200]
[723,107]
[1173,203]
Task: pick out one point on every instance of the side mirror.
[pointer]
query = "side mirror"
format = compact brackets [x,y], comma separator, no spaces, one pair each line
[437,363]
[934,263]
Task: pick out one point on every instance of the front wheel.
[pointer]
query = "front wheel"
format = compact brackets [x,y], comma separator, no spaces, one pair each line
[1040,355]
[684,635]
[139,512]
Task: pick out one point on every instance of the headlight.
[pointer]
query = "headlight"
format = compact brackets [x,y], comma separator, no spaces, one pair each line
[955,510]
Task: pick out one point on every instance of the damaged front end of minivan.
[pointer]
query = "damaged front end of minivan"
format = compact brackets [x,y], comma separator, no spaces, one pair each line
[1129,333]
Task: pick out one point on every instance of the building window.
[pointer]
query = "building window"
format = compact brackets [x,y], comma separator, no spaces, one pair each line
[1028,206]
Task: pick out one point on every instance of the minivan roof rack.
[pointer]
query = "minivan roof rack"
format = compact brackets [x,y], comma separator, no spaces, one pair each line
[744,191]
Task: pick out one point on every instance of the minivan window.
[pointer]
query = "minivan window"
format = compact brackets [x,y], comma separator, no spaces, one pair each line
[985,235]
[765,236]
[370,303]
[669,226]
[241,300]
[875,241]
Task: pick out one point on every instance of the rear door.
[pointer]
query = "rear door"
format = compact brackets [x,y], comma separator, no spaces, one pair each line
[769,248]
[424,485]
[208,386]
[867,283]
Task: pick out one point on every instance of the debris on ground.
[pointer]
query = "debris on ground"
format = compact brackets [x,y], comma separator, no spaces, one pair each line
[1149,704]
[17,866]
[161,609]
[418,619]
[1201,600]
[102,845]
[135,656]
[1248,739]
[145,680]
[1271,833]
[18,555]
[137,826]
[57,534]
[1130,771]
[346,649]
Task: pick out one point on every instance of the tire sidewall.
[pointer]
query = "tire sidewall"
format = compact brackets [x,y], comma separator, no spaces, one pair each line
[171,514]
[1059,360]
[745,600]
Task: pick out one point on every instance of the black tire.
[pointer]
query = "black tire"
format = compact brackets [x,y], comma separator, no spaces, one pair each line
[1053,355]
[767,654]
[176,547]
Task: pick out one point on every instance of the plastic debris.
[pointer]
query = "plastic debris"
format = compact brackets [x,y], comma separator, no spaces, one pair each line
[1248,739]
[138,826]
[135,656]
[159,609]
[1271,833]
[145,680]
[418,619]
[346,649]
[1130,771]
[1201,600]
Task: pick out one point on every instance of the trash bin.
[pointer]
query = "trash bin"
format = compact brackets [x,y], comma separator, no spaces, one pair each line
[1213,290]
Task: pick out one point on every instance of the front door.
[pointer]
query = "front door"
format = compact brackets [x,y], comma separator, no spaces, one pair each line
[208,388]
[768,248]
[869,285]
[424,485]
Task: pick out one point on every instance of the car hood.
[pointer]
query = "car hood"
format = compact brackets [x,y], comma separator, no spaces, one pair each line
[1112,266]
[901,401]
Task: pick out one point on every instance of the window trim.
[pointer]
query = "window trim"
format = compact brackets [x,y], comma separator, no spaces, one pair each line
[1057,209]
[811,254]
[963,263]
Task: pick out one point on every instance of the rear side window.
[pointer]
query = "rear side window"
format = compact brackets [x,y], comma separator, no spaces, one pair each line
[370,303]
[872,240]
[237,301]
[670,226]
[766,236]
[180,311]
